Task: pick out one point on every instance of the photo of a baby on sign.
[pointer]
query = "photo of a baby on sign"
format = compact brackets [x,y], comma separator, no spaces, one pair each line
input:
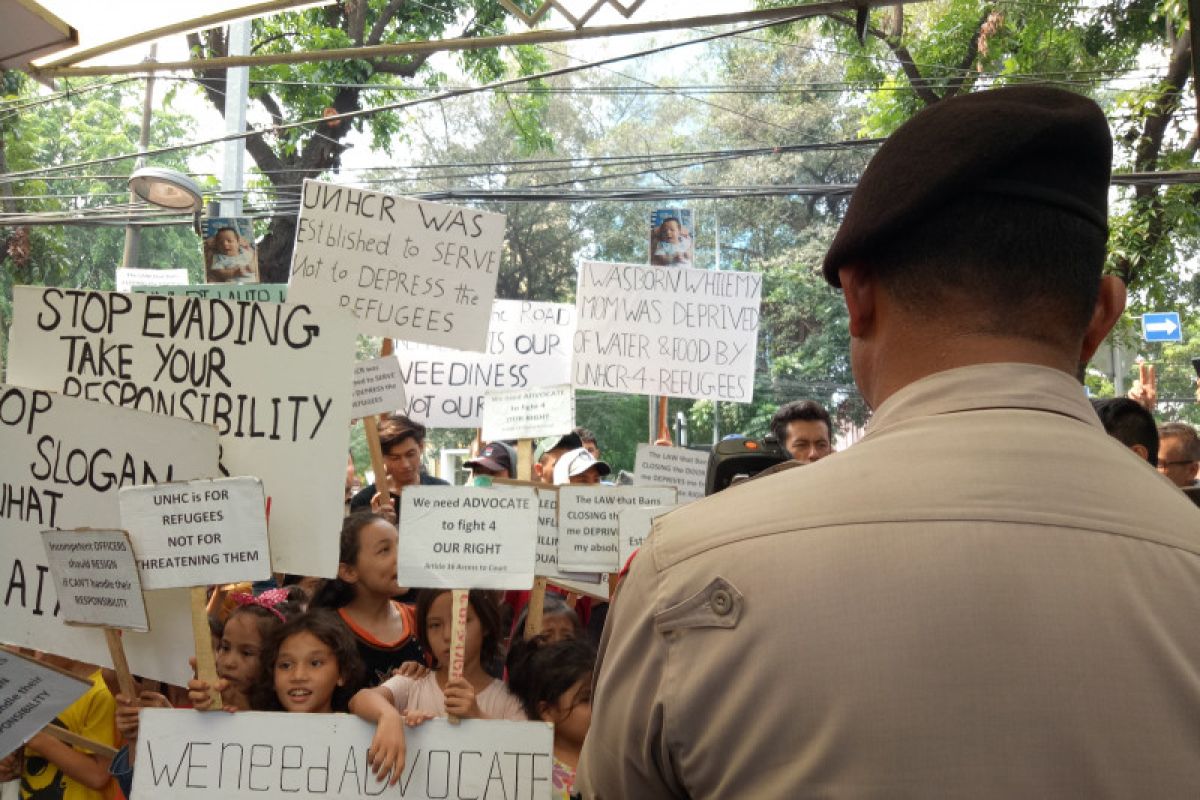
[229,254]
[671,237]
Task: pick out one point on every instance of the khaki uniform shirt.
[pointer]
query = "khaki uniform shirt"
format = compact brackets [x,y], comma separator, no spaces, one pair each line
[985,597]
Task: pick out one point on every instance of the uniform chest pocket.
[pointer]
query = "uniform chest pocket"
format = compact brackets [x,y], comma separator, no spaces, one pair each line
[717,605]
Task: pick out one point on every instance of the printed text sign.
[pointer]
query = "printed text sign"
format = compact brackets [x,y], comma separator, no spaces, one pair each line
[96,578]
[31,696]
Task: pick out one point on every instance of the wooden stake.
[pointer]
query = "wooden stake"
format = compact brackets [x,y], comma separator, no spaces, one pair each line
[82,742]
[383,483]
[537,607]
[524,459]
[385,349]
[206,665]
[459,598]
[117,651]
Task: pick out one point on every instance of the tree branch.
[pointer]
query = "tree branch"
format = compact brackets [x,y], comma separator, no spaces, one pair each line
[406,69]
[965,72]
[919,83]
[387,15]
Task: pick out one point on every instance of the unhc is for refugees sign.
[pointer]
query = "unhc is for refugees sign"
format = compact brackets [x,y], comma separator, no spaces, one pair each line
[274,380]
[63,461]
[406,269]
[677,332]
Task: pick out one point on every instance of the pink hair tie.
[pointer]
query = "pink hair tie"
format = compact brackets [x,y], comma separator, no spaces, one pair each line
[268,600]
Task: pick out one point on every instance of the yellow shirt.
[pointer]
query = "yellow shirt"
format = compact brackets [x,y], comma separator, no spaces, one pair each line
[93,716]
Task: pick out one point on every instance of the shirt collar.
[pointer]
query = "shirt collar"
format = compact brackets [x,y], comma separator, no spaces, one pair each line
[984,386]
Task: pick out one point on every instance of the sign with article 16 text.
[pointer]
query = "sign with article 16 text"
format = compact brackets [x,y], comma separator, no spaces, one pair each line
[256,754]
[680,467]
[199,532]
[96,577]
[405,269]
[31,696]
[677,332]
[466,537]
[63,462]
[528,413]
[378,387]
[274,379]
[529,345]
[589,526]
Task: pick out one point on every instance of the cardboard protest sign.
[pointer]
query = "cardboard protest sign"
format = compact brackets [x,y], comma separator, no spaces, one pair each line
[378,388]
[199,532]
[96,578]
[258,293]
[465,537]
[588,525]
[273,379]
[129,277]
[31,696]
[589,583]
[680,467]
[634,525]
[406,269]
[528,413]
[256,754]
[676,332]
[529,344]
[63,461]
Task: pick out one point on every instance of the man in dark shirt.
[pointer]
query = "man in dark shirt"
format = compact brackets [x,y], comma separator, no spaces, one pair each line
[403,444]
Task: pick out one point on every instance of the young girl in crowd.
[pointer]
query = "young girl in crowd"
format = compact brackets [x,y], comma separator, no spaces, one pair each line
[244,636]
[553,680]
[363,593]
[475,695]
[311,665]
[559,621]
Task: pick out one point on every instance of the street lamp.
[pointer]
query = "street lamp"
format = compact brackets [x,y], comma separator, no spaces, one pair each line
[165,188]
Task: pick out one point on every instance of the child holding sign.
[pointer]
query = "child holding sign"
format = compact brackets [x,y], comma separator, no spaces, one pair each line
[247,630]
[553,680]
[385,629]
[414,700]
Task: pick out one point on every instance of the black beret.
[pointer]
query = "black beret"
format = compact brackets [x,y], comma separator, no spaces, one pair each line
[1044,145]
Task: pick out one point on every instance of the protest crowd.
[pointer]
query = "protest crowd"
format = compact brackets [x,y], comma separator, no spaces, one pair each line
[989,594]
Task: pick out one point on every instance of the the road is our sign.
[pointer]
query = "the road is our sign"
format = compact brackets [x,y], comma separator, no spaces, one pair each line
[1162,326]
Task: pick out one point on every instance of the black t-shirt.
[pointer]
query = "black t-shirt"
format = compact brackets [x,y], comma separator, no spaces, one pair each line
[362,500]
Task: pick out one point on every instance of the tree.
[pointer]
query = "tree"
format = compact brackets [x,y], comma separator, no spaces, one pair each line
[67,130]
[289,93]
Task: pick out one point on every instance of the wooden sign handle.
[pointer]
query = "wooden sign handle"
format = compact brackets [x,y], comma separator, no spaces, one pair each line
[459,598]
[537,607]
[120,664]
[383,484]
[524,459]
[206,665]
[385,349]
[82,742]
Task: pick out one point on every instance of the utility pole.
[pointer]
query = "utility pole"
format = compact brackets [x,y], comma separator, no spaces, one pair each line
[237,93]
[132,231]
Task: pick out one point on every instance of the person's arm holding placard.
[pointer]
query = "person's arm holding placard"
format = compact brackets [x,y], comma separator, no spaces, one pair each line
[387,751]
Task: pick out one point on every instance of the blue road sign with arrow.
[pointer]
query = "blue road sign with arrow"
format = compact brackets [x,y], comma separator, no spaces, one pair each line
[1162,326]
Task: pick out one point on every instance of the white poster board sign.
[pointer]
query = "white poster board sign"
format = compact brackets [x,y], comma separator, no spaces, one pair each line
[589,583]
[31,696]
[378,387]
[63,461]
[199,532]
[465,537]
[634,525]
[255,292]
[528,413]
[96,578]
[182,754]
[680,467]
[588,525]
[274,379]
[405,269]
[129,277]
[677,332]
[529,344]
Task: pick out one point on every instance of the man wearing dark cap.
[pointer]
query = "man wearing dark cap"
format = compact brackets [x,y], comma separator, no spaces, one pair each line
[983,597]
[496,459]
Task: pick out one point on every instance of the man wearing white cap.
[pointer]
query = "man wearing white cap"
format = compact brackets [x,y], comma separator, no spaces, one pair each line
[579,466]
